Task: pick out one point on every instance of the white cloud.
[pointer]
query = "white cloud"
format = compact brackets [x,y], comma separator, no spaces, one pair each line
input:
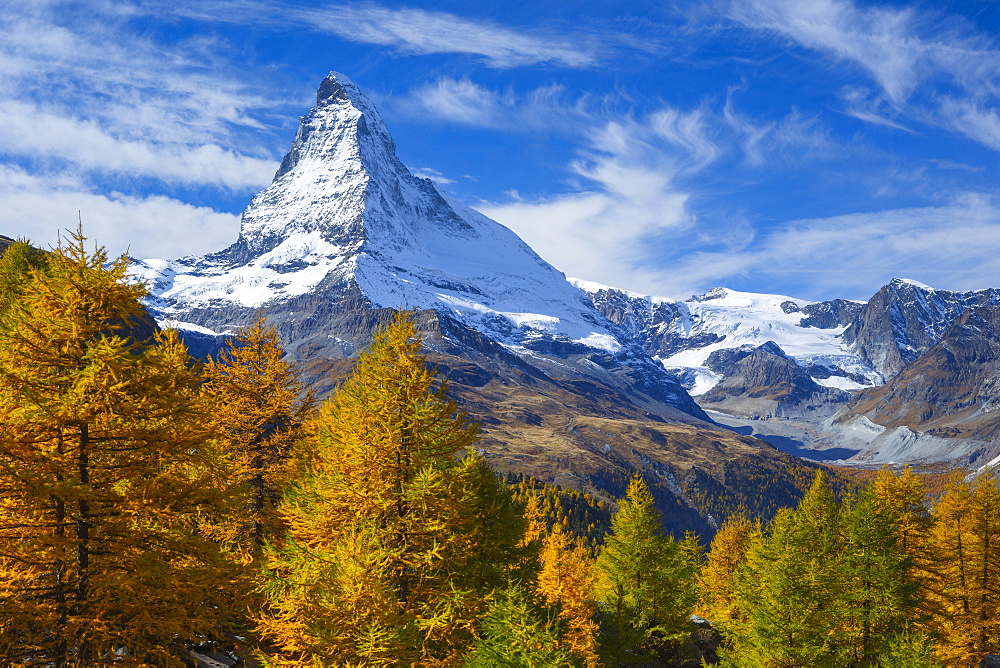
[974,121]
[432,174]
[467,103]
[913,54]
[864,106]
[953,247]
[900,48]
[26,130]
[419,31]
[41,207]
[600,232]
[633,183]
[81,87]
[408,30]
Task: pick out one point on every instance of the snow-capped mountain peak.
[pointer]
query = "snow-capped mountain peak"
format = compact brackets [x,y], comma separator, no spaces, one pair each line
[345,216]
[683,335]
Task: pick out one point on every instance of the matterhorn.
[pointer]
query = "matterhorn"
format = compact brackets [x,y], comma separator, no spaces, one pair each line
[346,234]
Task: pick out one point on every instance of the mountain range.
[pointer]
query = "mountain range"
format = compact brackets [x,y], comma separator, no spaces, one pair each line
[576,383]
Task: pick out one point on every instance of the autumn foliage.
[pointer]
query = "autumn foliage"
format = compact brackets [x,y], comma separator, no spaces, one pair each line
[151,504]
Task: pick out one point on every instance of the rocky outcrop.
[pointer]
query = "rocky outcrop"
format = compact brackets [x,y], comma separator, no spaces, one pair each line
[904,319]
[763,382]
[952,390]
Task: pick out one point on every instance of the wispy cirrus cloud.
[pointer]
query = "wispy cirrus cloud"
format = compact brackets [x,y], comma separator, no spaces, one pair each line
[408,30]
[954,245]
[112,123]
[929,66]
[29,130]
[419,31]
[901,48]
[80,87]
[633,184]
[976,121]
[465,102]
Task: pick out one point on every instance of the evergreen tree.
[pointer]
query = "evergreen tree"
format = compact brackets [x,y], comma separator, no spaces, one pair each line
[393,546]
[647,581]
[260,410]
[904,499]
[789,592]
[520,630]
[105,467]
[878,596]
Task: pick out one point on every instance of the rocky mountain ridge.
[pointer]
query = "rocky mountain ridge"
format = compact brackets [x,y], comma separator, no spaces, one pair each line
[908,375]
[345,234]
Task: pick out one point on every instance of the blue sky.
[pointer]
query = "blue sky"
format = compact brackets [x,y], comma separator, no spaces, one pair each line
[815,148]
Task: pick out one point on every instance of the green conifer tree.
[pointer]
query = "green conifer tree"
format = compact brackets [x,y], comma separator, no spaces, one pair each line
[879,597]
[727,555]
[519,629]
[789,591]
[647,582]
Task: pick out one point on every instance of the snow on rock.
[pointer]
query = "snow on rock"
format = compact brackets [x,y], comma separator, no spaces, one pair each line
[344,213]
[688,332]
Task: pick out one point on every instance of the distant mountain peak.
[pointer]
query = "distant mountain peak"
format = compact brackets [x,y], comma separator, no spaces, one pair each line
[896,282]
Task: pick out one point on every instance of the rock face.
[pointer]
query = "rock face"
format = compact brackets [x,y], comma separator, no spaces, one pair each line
[952,390]
[906,318]
[345,234]
[763,382]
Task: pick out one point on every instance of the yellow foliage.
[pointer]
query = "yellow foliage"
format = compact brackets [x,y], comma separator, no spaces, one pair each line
[727,554]
[105,466]
[393,544]
[568,578]
[259,416]
[965,544]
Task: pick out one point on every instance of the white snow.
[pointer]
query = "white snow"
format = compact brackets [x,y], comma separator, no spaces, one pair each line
[344,211]
[747,318]
[840,383]
[910,281]
[704,379]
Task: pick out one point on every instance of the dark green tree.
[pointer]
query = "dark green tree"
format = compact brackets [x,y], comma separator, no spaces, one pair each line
[879,597]
[789,592]
[647,582]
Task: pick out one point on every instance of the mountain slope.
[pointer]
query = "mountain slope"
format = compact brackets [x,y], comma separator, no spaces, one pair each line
[345,234]
[951,390]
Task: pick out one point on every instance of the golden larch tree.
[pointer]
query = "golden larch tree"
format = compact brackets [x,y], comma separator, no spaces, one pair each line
[568,578]
[259,408]
[965,589]
[394,544]
[727,554]
[105,466]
